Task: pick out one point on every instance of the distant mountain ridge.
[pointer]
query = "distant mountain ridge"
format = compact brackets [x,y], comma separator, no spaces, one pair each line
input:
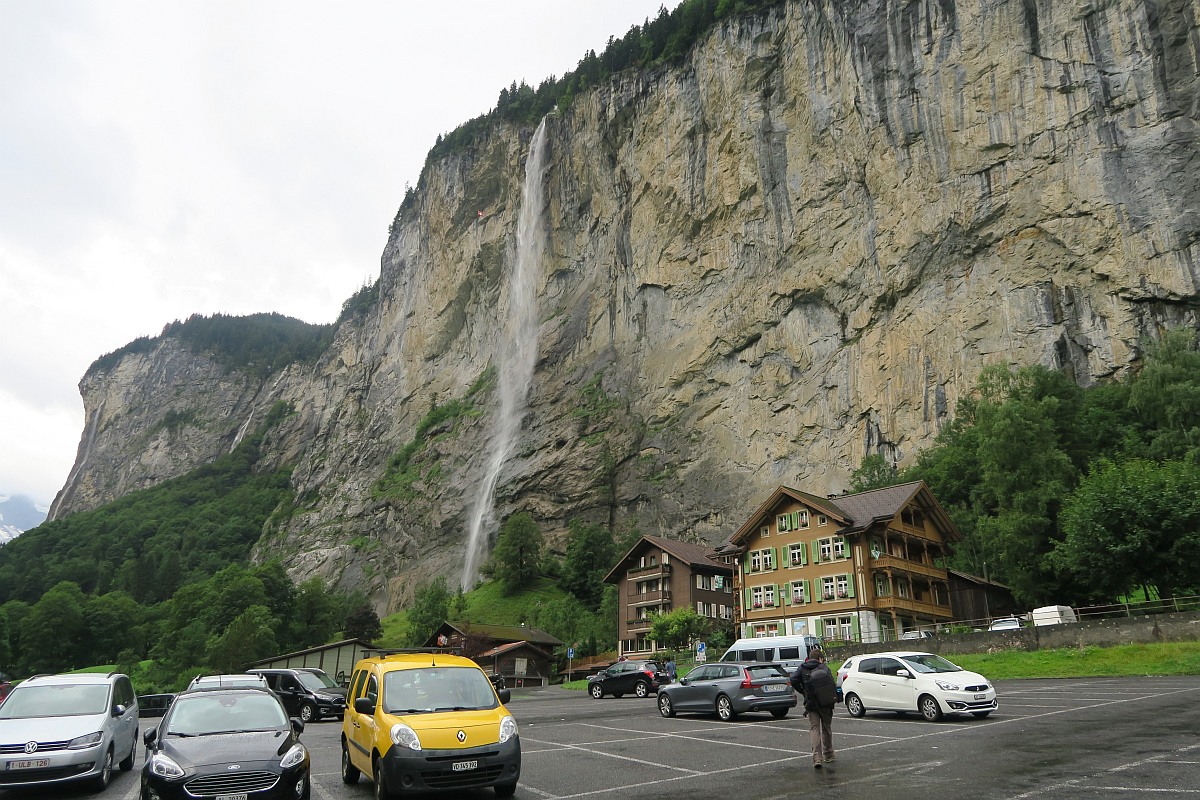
[17,515]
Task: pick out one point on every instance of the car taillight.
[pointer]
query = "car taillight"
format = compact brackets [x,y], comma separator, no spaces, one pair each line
[746,682]
[649,673]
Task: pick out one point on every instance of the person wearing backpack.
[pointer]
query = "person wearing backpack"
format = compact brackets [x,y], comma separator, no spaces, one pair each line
[820,696]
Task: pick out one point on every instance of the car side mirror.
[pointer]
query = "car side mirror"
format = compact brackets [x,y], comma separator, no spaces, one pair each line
[149,736]
[505,695]
[364,705]
[903,673]
[683,681]
[602,673]
[297,724]
[119,710]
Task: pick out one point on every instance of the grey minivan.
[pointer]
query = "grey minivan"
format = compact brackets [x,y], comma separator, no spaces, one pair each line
[59,728]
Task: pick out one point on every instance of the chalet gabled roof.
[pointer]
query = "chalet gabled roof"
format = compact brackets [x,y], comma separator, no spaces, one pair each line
[857,511]
[695,555]
[502,633]
[866,508]
[822,504]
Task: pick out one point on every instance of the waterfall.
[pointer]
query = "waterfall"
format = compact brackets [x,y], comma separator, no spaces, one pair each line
[517,351]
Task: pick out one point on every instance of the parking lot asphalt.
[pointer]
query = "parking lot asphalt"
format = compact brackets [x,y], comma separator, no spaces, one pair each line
[1055,739]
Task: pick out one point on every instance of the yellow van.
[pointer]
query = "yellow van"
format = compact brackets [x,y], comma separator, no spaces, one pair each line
[428,721]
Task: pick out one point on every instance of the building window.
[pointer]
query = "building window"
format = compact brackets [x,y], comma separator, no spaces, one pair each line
[769,596]
[902,588]
[798,592]
[826,549]
[828,588]
[882,589]
[796,554]
[756,561]
[764,531]
[756,597]
[666,558]
[653,561]
[843,585]
[801,518]
[762,559]
[822,520]
[831,548]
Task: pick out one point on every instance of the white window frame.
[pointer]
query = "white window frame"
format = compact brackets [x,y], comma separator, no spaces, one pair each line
[828,588]
[798,592]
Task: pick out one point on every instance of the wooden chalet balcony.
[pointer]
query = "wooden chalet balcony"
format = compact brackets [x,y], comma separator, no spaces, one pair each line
[648,598]
[913,606]
[911,567]
[645,572]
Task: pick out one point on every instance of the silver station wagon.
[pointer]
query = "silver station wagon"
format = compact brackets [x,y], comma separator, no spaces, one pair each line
[727,690]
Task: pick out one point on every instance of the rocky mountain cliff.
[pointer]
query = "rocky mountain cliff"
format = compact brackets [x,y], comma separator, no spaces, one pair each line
[796,249]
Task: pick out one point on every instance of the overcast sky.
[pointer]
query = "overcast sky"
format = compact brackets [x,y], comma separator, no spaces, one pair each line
[160,159]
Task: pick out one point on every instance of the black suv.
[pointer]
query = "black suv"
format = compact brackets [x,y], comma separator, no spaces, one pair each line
[640,678]
[306,692]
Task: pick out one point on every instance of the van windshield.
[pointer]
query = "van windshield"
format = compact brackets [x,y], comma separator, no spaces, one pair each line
[417,691]
[316,680]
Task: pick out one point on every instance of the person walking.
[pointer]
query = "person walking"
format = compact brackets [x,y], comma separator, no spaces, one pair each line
[671,667]
[820,696]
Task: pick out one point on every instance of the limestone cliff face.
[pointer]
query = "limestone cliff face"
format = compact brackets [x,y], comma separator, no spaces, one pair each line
[796,249]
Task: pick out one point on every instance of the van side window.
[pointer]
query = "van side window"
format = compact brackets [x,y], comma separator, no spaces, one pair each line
[356,683]
[372,689]
[789,653]
[766,654]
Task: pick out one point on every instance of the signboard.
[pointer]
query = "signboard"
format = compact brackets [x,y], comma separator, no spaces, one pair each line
[718,581]
[570,652]
[701,653]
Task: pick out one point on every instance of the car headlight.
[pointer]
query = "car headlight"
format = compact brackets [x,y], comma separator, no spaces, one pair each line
[508,728]
[164,767]
[404,736]
[90,740]
[947,686]
[293,756]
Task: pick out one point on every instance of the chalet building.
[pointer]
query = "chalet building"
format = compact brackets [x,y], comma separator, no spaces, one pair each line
[523,655]
[855,567]
[660,575]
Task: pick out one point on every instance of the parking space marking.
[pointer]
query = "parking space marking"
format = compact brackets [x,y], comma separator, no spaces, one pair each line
[1087,782]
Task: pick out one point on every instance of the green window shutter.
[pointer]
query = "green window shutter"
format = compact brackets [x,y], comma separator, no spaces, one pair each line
[748,600]
[787,598]
[816,551]
[850,586]
[777,597]
[781,628]
[808,598]
[777,554]
[794,520]
[854,628]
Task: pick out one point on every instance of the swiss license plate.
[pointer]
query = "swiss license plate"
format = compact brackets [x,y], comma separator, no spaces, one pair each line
[28,763]
[464,766]
[231,797]
[981,697]
[775,687]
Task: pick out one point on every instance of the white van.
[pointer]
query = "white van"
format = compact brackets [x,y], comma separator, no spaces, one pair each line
[790,651]
[1053,615]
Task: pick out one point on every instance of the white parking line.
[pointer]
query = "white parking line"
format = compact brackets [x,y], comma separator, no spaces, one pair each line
[1085,782]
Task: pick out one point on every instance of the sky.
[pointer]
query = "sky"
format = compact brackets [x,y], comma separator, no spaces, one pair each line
[163,159]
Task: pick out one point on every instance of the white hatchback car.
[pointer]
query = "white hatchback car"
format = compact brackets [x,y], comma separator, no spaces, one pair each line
[911,681]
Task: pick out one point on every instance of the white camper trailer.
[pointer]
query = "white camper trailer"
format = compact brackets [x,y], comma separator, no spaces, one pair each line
[1053,615]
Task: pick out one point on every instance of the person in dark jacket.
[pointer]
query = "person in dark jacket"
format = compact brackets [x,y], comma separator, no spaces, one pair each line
[820,696]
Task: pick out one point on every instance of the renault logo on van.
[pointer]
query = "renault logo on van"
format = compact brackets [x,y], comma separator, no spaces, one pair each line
[462,736]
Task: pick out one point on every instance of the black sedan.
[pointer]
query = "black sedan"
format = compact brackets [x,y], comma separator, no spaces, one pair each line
[226,742]
[728,689]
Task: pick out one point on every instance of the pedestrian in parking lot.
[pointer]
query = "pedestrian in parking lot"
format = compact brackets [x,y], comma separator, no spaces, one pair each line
[820,696]
[671,666]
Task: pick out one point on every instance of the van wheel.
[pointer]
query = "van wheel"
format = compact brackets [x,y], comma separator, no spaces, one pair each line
[127,762]
[597,691]
[854,706]
[929,708]
[725,710]
[350,772]
[381,790]
[642,689]
[101,781]
[307,712]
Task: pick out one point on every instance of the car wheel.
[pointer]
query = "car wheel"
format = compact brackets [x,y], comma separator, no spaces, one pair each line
[350,772]
[381,790]
[102,780]
[505,789]
[641,689]
[664,705]
[127,762]
[597,691]
[779,713]
[980,714]
[854,706]
[725,710]
[930,710]
[307,713]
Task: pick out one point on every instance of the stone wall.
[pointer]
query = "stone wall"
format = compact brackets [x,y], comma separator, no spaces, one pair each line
[1182,627]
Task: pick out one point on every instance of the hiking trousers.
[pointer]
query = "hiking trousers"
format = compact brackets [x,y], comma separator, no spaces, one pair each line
[820,731]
